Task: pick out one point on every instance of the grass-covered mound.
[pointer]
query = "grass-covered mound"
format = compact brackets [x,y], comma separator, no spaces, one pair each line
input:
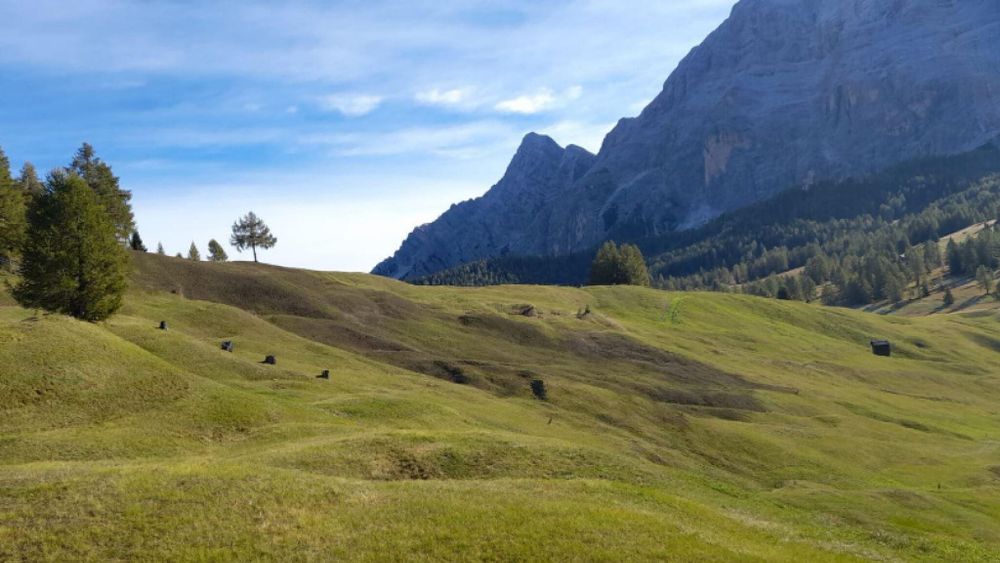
[684,426]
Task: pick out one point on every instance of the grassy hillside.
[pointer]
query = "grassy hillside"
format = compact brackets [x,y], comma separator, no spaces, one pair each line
[678,426]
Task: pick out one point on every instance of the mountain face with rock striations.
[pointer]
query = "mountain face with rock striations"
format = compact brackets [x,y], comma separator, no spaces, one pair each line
[783,93]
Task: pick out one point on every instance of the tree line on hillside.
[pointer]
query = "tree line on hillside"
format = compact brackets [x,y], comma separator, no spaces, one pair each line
[852,242]
[862,260]
[67,237]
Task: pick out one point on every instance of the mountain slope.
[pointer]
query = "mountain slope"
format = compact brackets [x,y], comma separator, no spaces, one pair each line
[911,204]
[504,220]
[678,426]
[784,92]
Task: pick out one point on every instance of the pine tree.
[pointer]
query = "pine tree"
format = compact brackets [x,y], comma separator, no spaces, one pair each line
[949,298]
[954,257]
[73,262]
[215,252]
[808,288]
[193,253]
[28,181]
[634,265]
[159,249]
[135,242]
[251,232]
[13,220]
[932,255]
[984,277]
[614,265]
[102,180]
[605,268]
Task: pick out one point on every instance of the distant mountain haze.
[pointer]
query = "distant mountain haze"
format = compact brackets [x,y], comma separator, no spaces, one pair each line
[783,93]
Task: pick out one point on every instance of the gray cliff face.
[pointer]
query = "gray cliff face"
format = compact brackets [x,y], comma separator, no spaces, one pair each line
[505,220]
[784,92]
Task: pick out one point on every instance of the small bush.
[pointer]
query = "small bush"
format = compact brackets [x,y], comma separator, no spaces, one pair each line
[538,388]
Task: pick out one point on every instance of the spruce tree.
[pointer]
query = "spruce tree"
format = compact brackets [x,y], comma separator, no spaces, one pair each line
[102,180]
[193,253]
[159,249]
[634,265]
[932,255]
[135,242]
[984,277]
[29,182]
[954,256]
[215,252]
[949,298]
[13,220]
[72,262]
[251,232]
[605,268]
[614,265]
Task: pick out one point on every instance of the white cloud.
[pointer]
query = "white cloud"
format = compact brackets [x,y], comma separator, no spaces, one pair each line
[455,97]
[528,104]
[195,72]
[543,100]
[351,105]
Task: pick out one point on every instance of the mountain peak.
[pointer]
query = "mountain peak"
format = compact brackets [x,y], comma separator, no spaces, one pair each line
[533,139]
[784,92]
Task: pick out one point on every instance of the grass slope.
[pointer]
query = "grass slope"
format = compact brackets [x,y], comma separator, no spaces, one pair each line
[678,426]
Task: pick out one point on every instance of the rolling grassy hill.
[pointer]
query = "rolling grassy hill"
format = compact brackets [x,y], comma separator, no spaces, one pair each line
[677,426]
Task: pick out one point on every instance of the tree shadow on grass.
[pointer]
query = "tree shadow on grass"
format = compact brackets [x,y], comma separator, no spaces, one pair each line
[970,302]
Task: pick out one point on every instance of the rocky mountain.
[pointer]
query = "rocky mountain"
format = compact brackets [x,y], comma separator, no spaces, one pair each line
[783,93]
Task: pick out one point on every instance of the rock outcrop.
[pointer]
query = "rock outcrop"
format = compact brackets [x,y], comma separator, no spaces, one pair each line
[783,93]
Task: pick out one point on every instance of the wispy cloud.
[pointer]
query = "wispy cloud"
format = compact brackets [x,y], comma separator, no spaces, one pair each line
[351,105]
[443,89]
[542,100]
[453,98]
[529,103]
[462,141]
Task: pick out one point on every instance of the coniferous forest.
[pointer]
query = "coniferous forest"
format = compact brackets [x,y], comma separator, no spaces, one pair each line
[851,242]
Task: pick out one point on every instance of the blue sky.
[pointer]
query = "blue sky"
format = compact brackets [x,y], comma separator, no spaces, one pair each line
[343,124]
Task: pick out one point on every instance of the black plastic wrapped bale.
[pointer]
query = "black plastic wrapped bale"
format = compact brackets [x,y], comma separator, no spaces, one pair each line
[270,360]
[227,345]
[881,348]
[163,325]
[324,375]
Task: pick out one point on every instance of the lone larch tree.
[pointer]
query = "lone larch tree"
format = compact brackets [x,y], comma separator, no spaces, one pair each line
[251,232]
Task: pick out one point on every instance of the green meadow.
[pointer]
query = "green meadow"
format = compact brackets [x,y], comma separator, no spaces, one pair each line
[677,426]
